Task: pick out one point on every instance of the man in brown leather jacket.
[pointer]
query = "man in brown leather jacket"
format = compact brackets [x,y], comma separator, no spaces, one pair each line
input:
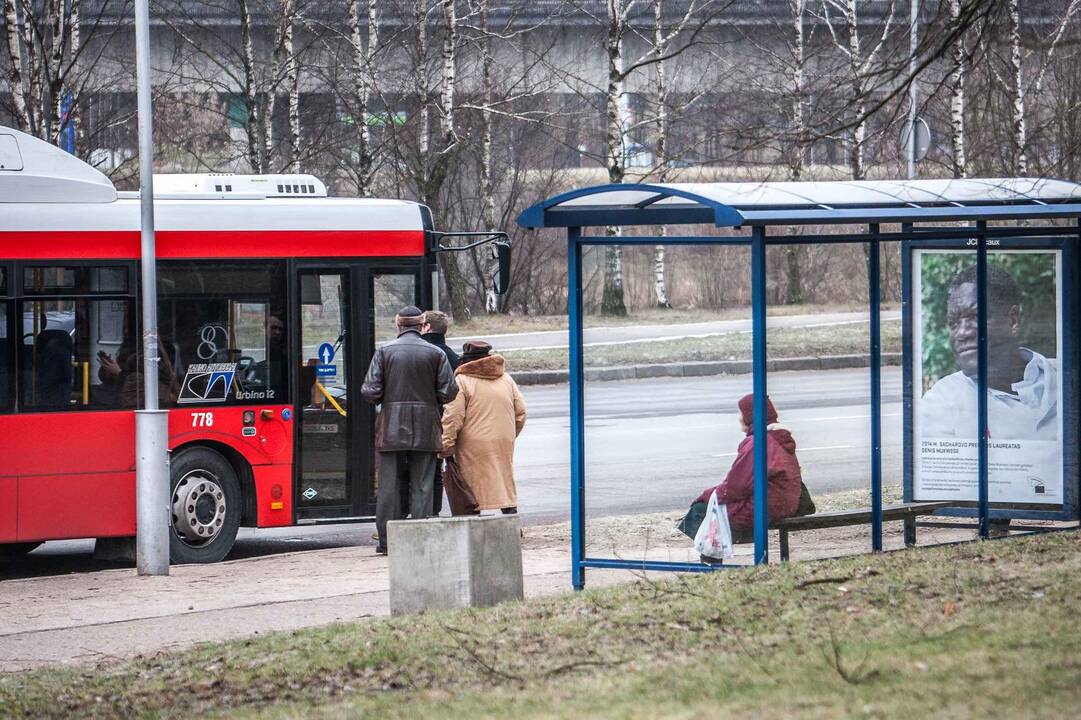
[412,380]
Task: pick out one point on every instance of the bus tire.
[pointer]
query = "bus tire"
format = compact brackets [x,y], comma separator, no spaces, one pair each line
[206,505]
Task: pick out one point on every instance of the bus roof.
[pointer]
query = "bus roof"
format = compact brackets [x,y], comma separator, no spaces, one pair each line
[43,189]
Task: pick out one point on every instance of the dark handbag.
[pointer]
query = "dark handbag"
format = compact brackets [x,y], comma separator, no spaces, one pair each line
[692,520]
[806,504]
[459,494]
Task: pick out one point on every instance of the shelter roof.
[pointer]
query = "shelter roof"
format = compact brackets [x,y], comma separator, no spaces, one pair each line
[803,203]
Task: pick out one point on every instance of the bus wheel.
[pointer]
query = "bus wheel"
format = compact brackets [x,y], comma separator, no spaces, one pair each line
[206,506]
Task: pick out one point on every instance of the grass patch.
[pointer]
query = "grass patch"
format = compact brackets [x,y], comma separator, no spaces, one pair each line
[957,631]
[783,343]
[499,324]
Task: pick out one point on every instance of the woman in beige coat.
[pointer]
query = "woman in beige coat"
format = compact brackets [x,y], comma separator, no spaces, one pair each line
[481,424]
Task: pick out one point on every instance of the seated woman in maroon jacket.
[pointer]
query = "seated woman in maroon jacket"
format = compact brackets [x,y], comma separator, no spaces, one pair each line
[784,481]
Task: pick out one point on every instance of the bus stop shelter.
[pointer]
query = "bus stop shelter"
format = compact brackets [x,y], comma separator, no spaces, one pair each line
[968,214]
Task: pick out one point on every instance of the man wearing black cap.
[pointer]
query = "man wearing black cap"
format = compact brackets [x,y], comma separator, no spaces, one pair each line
[412,380]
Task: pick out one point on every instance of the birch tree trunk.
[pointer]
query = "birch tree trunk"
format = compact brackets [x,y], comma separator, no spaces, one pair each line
[15,56]
[487,179]
[76,45]
[440,161]
[612,302]
[793,253]
[253,124]
[423,87]
[32,47]
[660,287]
[364,82]
[957,96]
[859,103]
[283,67]
[1020,132]
[292,82]
[450,44]
[58,16]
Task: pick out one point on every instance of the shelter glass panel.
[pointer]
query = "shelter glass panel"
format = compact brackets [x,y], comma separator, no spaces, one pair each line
[1024,393]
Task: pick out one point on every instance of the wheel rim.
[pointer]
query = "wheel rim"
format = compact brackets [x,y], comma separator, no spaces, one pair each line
[198,508]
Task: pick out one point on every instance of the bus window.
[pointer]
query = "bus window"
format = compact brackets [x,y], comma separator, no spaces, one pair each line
[76,280]
[225,320]
[390,293]
[79,353]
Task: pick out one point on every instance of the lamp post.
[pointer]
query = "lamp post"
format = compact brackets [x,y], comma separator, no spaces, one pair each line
[151,423]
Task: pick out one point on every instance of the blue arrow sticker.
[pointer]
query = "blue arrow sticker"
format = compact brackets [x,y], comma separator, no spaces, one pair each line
[326,354]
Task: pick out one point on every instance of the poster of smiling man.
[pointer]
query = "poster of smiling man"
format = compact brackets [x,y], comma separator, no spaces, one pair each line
[1024,389]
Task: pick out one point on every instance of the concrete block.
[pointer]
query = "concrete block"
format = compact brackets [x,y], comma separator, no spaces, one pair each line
[454,562]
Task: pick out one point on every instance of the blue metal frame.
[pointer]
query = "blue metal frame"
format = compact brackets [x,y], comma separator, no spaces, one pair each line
[874,301]
[667,240]
[577,406]
[981,378]
[613,564]
[701,210]
[758,364]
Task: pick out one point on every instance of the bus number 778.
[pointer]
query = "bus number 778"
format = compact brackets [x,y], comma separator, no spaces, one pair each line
[202,419]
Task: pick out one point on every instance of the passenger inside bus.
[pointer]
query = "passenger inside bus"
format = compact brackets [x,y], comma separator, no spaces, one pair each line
[270,371]
[52,355]
[122,377]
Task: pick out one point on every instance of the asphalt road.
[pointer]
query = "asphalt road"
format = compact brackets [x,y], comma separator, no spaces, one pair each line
[651,445]
[655,444]
[629,334]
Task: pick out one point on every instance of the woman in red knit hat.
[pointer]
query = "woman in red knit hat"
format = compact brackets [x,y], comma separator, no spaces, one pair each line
[784,481]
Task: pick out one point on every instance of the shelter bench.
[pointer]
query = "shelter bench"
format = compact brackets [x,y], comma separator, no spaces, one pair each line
[908,512]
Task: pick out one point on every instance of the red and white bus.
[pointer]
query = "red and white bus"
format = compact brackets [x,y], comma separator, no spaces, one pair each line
[271,299]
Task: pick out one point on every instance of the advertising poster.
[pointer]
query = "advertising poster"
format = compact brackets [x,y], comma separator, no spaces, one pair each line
[1024,396]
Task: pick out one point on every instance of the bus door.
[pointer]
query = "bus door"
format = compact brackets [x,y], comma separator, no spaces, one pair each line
[326,396]
[343,312]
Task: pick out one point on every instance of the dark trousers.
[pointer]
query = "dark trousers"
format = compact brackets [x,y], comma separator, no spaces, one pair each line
[437,491]
[414,469]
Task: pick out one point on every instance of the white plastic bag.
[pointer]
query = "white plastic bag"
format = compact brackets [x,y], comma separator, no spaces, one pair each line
[714,536]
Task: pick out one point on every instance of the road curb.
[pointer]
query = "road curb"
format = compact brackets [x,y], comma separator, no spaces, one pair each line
[702,369]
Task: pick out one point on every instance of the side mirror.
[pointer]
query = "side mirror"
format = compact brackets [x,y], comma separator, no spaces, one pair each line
[501,248]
